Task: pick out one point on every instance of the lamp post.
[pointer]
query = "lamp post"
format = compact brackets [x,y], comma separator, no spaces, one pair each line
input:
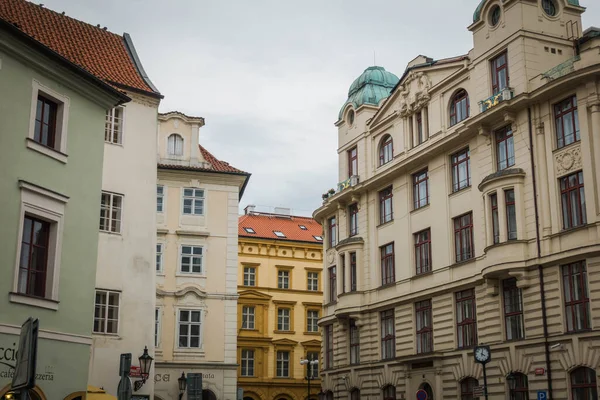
[309,364]
[145,364]
[182,381]
[511,379]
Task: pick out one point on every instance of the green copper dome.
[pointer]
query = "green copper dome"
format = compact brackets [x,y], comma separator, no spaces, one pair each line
[372,86]
[477,13]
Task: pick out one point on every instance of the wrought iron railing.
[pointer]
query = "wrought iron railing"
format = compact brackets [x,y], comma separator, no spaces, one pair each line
[503,95]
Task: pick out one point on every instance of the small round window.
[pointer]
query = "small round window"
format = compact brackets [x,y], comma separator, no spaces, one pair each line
[549,7]
[495,15]
[351,117]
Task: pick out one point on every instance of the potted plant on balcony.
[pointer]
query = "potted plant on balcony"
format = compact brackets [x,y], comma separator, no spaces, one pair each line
[325,196]
[331,192]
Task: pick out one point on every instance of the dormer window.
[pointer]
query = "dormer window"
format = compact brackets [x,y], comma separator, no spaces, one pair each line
[549,7]
[279,234]
[175,145]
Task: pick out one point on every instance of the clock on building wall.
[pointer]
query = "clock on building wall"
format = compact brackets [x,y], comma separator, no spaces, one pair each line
[482,354]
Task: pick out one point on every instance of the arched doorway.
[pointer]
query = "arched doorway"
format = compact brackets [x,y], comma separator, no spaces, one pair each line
[208,395]
[427,388]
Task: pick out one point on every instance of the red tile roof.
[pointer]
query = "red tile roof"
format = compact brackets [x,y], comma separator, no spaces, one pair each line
[98,51]
[216,165]
[265,224]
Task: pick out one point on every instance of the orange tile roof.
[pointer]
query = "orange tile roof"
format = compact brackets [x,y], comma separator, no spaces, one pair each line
[98,51]
[216,165]
[265,224]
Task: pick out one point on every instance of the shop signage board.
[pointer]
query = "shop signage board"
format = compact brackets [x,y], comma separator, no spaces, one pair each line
[24,377]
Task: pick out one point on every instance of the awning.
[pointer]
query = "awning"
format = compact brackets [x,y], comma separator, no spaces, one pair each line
[94,393]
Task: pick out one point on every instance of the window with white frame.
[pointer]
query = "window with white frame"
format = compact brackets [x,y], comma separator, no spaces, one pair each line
[283,279]
[159,257]
[247,362]
[191,260]
[111,207]
[313,281]
[106,312]
[190,324]
[312,317]
[193,201]
[175,145]
[160,198]
[157,321]
[283,319]
[113,128]
[283,364]
[248,317]
[249,276]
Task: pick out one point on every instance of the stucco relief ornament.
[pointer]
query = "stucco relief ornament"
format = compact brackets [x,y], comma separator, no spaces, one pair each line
[404,101]
[568,160]
[330,255]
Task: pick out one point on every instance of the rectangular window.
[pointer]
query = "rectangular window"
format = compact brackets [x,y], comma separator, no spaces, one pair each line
[312,317]
[388,335]
[33,263]
[354,343]
[283,364]
[191,260]
[249,276]
[420,130]
[157,327]
[499,73]
[424,327]
[159,257]
[45,122]
[566,122]
[313,281]
[110,212]
[577,301]
[352,162]
[461,170]
[332,231]
[511,214]
[113,128]
[283,319]
[160,198]
[190,324]
[248,317]
[495,220]
[106,312]
[353,219]
[421,189]
[505,148]
[386,212]
[312,369]
[283,279]
[353,276]
[328,346]
[193,201]
[513,309]
[466,325]
[247,362]
[343,270]
[463,237]
[423,251]
[388,271]
[332,284]
[572,196]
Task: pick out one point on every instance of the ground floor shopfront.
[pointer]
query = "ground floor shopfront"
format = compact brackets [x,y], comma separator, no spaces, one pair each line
[218,380]
[62,364]
[279,390]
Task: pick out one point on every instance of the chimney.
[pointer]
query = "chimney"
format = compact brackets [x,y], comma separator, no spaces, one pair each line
[249,209]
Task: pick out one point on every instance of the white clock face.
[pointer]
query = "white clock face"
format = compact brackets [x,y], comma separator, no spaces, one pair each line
[482,354]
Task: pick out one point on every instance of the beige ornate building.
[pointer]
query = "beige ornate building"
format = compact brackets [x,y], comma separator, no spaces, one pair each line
[468,213]
[280,287]
[196,262]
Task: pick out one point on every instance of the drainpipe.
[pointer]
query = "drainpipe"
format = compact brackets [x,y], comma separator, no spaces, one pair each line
[539,255]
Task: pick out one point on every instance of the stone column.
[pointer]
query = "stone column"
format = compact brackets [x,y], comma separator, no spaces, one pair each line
[502,215]
[413,120]
[340,274]
[595,136]
[425,119]
[347,275]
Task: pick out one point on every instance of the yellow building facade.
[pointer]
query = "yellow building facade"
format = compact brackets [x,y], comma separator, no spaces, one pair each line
[280,298]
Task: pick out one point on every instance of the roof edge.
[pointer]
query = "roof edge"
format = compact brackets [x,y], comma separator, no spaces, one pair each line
[178,114]
[138,64]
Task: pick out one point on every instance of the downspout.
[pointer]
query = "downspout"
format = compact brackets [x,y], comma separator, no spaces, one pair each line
[539,256]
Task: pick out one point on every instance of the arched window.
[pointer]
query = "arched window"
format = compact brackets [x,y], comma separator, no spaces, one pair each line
[459,108]
[355,394]
[389,392]
[518,386]
[175,147]
[583,384]
[466,388]
[386,150]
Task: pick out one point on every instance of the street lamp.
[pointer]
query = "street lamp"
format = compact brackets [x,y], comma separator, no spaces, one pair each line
[145,365]
[309,364]
[182,381]
[511,379]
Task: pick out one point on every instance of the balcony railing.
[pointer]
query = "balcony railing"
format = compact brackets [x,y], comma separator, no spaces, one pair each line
[561,69]
[352,181]
[502,95]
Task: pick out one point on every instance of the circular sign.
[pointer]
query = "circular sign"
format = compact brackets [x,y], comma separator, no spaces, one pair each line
[421,394]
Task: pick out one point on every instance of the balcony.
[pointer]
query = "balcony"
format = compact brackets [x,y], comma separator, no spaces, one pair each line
[561,69]
[492,101]
[343,185]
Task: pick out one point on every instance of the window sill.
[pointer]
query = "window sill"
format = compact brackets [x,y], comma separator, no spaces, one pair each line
[416,210]
[387,285]
[385,223]
[459,263]
[462,190]
[107,335]
[33,301]
[48,151]
[574,144]
[313,333]
[111,233]
[114,144]
[183,232]
[190,274]
[284,332]
[569,230]
[423,274]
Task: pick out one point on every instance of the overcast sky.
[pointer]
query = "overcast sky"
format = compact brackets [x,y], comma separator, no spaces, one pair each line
[269,77]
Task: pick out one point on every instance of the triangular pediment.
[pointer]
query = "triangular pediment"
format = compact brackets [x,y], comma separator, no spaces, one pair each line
[284,342]
[311,343]
[254,294]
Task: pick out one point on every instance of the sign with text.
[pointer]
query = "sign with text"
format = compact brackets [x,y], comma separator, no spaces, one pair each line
[479,391]
[24,377]
[540,371]
[541,395]
[135,371]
